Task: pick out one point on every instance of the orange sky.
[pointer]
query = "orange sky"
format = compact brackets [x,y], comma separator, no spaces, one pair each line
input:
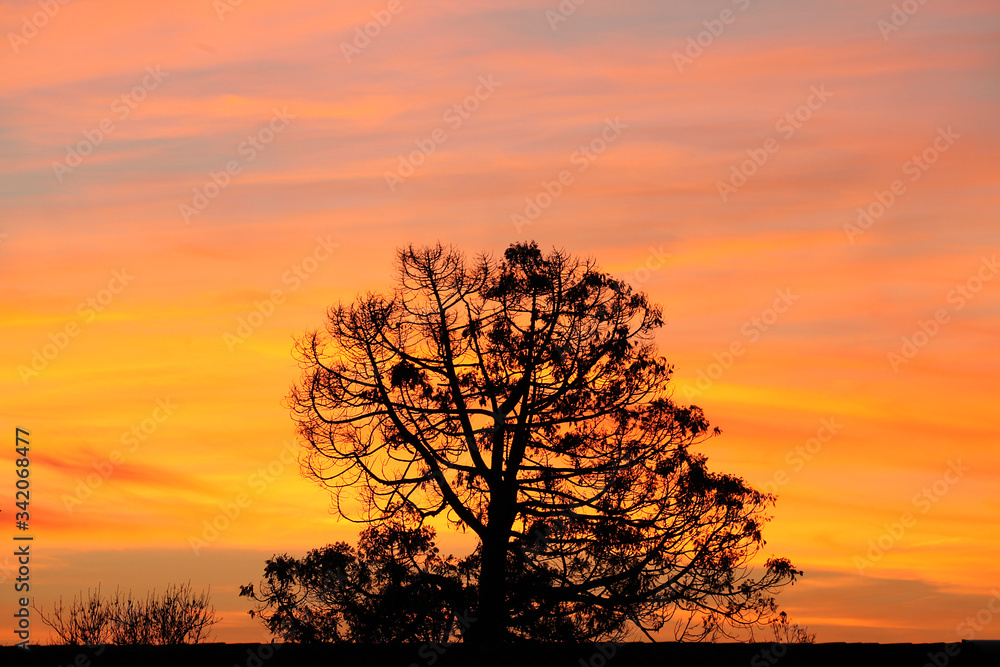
[723,178]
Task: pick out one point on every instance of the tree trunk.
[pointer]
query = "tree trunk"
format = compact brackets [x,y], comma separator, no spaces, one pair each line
[493,616]
[491,620]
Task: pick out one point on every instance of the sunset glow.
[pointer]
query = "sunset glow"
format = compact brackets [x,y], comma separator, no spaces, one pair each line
[811,194]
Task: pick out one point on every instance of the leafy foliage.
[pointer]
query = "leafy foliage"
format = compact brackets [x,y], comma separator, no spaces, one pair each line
[394,587]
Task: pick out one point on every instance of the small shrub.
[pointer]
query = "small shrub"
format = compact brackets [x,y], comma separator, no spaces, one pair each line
[791,633]
[87,621]
[179,616]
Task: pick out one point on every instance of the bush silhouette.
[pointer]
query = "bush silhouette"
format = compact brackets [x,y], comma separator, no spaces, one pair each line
[178,616]
[393,587]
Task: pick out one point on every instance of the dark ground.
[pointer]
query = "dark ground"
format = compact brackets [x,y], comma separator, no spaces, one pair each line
[550,655]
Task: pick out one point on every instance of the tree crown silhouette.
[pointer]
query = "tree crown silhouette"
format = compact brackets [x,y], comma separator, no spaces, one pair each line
[523,399]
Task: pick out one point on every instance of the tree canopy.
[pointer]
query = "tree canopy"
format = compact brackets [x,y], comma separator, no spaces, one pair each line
[523,399]
[393,587]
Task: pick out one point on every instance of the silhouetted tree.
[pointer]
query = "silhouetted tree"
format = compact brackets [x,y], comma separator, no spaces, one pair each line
[394,587]
[523,399]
